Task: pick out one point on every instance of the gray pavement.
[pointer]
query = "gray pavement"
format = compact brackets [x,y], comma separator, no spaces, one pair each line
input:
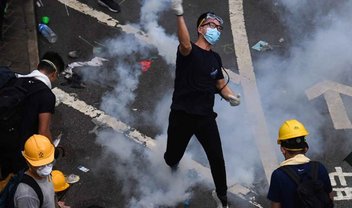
[19,49]
[104,185]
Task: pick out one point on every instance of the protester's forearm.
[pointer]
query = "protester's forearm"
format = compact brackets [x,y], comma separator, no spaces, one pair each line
[183,34]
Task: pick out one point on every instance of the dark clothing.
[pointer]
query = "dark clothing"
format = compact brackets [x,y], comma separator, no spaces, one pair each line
[283,189]
[42,101]
[2,14]
[182,127]
[195,82]
[192,111]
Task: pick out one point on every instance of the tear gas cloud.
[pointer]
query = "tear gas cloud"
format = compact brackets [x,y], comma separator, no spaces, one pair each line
[150,13]
[146,179]
[321,36]
[322,54]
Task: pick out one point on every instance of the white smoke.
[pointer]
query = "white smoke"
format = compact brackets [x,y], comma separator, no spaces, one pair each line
[322,54]
[147,181]
[166,44]
[321,36]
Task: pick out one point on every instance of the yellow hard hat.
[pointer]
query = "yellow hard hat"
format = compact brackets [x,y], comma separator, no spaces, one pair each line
[38,150]
[59,181]
[291,129]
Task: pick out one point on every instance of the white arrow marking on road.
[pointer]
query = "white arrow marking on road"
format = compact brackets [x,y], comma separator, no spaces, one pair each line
[331,91]
[248,82]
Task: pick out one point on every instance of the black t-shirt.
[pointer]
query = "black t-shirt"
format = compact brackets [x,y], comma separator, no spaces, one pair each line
[42,101]
[195,81]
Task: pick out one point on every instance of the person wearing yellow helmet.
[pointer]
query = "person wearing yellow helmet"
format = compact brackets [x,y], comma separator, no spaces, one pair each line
[283,185]
[59,181]
[60,186]
[39,154]
[291,137]
[34,115]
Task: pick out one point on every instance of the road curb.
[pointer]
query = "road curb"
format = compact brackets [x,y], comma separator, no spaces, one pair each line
[32,39]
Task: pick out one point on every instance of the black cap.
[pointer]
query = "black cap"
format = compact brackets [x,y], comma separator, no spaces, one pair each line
[295,144]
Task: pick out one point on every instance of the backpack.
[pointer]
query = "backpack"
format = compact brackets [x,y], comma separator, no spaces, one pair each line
[8,193]
[310,191]
[13,92]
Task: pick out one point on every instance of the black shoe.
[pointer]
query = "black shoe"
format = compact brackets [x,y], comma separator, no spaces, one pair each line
[110,4]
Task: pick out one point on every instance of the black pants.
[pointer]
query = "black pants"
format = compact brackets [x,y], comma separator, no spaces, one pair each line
[182,127]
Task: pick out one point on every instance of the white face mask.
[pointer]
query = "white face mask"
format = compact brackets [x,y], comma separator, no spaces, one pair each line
[45,170]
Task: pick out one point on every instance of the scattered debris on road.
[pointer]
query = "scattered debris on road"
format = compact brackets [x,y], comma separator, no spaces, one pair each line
[145,64]
[72,178]
[262,46]
[83,169]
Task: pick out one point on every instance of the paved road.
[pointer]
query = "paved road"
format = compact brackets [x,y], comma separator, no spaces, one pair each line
[122,103]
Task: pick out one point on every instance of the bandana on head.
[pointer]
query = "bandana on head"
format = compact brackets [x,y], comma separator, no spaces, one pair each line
[50,63]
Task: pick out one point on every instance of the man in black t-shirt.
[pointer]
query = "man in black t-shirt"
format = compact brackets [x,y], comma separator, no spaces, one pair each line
[38,109]
[198,78]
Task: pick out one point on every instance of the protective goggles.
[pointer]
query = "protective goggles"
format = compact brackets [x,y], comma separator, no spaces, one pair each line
[211,16]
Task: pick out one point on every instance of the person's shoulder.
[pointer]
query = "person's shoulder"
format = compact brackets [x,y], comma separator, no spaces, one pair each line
[25,196]
[277,173]
[24,189]
[319,164]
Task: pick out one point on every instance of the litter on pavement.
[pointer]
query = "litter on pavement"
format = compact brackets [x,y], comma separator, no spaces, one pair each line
[96,61]
[57,140]
[62,204]
[262,46]
[72,178]
[73,79]
[145,65]
[73,54]
[82,168]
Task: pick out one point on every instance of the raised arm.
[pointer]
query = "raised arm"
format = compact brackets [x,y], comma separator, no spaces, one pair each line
[185,46]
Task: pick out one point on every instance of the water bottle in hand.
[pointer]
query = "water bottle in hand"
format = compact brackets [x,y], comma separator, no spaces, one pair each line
[47,33]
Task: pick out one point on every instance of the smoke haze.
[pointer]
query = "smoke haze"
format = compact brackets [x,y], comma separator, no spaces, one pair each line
[320,38]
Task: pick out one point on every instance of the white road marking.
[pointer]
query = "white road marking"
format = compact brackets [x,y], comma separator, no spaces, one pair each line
[105,19]
[249,86]
[344,193]
[331,92]
[102,118]
[85,9]
[235,78]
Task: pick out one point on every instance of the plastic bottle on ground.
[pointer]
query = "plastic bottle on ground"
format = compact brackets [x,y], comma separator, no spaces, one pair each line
[47,33]
[186,203]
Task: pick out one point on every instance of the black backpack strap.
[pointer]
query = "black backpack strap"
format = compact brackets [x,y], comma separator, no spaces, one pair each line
[6,74]
[314,166]
[32,183]
[291,173]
